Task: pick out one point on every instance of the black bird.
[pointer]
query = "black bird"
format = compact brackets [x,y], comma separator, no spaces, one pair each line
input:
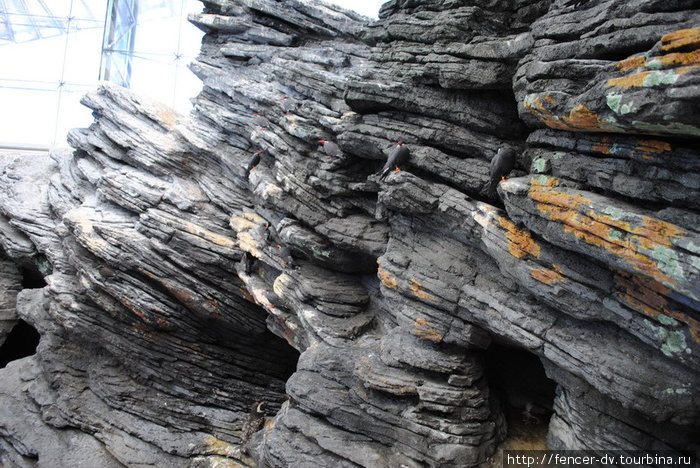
[105,271]
[247,262]
[288,105]
[260,121]
[254,421]
[265,230]
[253,163]
[398,157]
[500,167]
[287,259]
[331,149]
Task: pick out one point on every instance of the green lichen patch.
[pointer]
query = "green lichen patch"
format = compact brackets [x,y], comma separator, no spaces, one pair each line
[613,102]
[654,64]
[668,262]
[539,166]
[677,391]
[558,155]
[615,234]
[658,78]
[320,254]
[672,341]
[615,213]
[666,320]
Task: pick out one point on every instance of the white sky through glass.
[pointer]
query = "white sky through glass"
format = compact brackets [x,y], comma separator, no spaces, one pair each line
[34,113]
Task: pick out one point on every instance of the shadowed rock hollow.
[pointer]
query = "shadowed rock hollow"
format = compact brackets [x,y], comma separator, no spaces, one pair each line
[410,321]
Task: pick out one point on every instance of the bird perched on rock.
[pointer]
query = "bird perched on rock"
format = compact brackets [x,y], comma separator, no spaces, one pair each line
[287,259]
[331,149]
[105,271]
[253,422]
[288,105]
[253,163]
[500,167]
[265,231]
[247,262]
[398,157]
[260,121]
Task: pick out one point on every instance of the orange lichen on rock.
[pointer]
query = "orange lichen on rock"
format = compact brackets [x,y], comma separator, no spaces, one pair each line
[542,190]
[387,279]
[425,331]
[418,291]
[648,148]
[648,297]
[655,232]
[583,118]
[520,243]
[579,118]
[631,63]
[650,78]
[603,146]
[608,232]
[664,61]
[547,276]
[678,58]
[635,80]
[680,38]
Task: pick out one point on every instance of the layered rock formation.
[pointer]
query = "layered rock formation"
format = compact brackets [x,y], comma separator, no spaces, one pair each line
[182,289]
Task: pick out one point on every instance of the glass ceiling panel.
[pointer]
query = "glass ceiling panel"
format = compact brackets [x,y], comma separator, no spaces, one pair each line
[53,51]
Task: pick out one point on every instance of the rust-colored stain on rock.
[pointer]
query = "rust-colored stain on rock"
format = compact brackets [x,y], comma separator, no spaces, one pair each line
[425,331]
[520,243]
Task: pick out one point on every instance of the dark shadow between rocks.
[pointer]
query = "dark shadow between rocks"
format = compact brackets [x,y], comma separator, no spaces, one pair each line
[20,342]
[32,277]
[518,379]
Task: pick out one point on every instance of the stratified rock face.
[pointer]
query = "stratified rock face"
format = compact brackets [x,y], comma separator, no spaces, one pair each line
[183,289]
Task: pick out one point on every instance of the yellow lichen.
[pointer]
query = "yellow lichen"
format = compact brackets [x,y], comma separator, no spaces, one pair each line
[631,63]
[520,243]
[680,38]
[649,297]
[387,279]
[425,331]
[547,276]
[418,291]
[678,58]
[579,118]
[604,230]
[635,80]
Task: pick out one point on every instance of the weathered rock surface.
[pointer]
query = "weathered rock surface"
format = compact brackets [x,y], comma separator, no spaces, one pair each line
[181,289]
